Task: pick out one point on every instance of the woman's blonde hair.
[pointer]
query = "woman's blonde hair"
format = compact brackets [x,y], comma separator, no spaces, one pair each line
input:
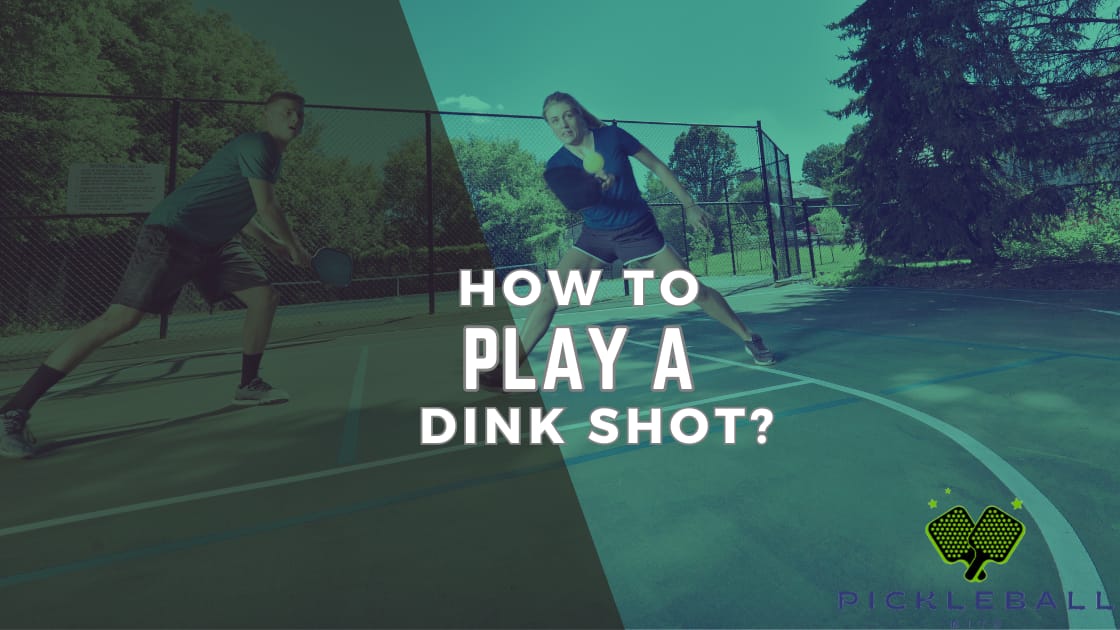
[563,97]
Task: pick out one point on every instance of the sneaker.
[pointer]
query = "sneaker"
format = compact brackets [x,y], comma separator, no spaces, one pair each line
[258,392]
[758,350]
[16,440]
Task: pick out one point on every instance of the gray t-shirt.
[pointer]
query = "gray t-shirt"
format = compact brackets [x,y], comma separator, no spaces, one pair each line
[216,203]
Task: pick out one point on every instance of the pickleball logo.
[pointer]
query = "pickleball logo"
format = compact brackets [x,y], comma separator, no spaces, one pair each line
[991,539]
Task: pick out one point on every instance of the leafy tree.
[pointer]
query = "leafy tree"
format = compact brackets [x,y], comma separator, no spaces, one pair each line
[1069,52]
[522,220]
[703,158]
[938,91]
[821,164]
[403,199]
[962,142]
[706,160]
[829,224]
[332,200]
[159,49]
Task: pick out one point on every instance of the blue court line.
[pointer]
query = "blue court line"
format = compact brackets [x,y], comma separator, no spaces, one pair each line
[964,375]
[347,452]
[207,539]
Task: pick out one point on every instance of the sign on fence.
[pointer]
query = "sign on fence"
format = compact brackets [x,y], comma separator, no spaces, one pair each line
[114,188]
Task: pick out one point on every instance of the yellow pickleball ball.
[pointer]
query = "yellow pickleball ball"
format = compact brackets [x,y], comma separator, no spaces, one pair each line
[593,162]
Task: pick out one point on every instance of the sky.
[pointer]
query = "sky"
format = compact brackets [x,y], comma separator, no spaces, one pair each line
[720,62]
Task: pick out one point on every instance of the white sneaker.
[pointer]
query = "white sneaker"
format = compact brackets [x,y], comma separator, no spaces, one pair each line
[258,392]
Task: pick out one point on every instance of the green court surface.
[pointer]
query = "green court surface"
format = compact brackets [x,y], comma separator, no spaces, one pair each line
[157,503]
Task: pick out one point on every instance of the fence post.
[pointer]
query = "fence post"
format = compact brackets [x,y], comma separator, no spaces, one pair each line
[730,228]
[431,215]
[172,176]
[687,248]
[782,214]
[809,236]
[766,200]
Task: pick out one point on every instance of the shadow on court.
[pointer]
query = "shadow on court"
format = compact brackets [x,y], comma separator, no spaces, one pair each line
[46,449]
[328,512]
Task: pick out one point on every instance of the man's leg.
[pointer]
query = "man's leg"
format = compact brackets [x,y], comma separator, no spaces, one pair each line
[15,439]
[114,322]
[235,272]
[261,305]
[150,284]
[714,304]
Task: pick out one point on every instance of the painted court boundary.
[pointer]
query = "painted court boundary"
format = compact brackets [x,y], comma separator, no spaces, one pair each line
[347,451]
[1075,567]
[313,476]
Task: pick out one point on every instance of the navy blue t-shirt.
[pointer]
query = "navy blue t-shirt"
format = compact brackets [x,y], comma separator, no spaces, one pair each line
[622,203]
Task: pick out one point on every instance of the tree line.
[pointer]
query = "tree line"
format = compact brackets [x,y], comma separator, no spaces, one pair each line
[987,126]
[491,206]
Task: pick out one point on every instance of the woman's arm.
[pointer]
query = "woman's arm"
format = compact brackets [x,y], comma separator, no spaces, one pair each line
[693,211]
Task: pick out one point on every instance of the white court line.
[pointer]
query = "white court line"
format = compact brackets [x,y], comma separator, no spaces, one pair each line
[349,446]
[694,403]
[293,479]
[1075,567]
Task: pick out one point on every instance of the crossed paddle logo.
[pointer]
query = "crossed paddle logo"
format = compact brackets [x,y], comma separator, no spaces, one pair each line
[991,539]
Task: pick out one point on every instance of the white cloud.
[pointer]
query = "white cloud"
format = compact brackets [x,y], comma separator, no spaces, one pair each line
[467,102]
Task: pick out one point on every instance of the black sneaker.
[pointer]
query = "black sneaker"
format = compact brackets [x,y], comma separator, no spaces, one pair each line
[16,440]
[758,350]
[258,392]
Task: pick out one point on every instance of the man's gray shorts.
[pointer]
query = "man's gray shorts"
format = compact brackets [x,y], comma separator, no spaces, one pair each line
[164,262]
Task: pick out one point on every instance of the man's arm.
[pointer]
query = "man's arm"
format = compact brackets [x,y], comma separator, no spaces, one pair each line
[274,220]
[254,231]
[269,211]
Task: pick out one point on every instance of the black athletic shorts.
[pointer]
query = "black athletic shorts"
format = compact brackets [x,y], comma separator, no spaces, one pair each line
[630,244]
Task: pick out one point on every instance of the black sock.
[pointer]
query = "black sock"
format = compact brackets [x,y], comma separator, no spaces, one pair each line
[42,380]
[250,365]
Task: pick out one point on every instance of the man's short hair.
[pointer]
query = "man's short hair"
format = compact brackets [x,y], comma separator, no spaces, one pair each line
[279,96]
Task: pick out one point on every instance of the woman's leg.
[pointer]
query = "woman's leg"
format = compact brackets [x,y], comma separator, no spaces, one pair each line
[713,303]
[540,317]
[708,299]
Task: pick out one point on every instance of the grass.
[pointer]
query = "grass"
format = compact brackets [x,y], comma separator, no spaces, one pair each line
[830,260]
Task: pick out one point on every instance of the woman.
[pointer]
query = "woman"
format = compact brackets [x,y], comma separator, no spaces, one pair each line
[622,226]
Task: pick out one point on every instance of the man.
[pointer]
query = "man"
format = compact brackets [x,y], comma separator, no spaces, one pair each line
[191,237]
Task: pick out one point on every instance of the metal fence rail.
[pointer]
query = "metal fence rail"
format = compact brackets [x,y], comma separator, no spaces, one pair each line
[413,195]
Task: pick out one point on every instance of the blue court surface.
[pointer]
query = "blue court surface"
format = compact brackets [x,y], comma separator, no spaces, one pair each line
[158,500]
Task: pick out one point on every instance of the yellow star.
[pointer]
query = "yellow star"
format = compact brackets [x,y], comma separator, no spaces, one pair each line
[932,504]
[1017,504]
[948,491]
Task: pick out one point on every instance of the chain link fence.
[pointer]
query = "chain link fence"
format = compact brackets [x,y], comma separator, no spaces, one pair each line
[414,196]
